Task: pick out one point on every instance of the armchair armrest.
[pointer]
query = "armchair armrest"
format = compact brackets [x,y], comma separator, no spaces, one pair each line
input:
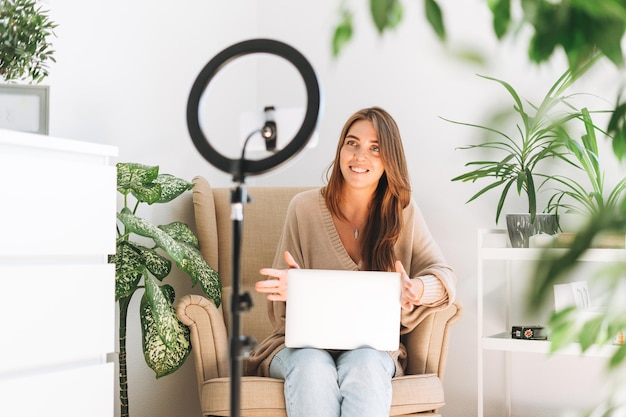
[209,336]
[427,344]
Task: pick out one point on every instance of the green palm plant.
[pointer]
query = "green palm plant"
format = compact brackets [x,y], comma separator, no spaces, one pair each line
[165,340]
[594,198]
[605,213]
[572,325]
[517,165]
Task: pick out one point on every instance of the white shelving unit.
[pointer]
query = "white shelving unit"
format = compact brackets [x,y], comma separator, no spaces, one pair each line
[492,247]
[58,309]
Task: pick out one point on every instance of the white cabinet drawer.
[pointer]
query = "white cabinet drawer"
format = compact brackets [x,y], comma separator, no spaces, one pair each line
[56,206]
[55,314]
[79,392]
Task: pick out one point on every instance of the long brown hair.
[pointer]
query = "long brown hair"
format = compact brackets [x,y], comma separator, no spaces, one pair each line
[392,195]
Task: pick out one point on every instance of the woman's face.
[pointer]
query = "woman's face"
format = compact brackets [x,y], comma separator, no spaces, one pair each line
[359,159]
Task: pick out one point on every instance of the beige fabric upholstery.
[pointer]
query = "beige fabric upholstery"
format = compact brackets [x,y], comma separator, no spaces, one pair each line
[420,391]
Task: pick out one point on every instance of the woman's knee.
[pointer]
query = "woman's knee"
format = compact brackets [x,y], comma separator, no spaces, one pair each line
[366,361]
[313,364]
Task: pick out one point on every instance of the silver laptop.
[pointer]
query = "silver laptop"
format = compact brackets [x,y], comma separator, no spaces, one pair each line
[343,310]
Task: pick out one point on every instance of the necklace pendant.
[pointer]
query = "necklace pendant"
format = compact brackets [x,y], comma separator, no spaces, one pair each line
[356,233]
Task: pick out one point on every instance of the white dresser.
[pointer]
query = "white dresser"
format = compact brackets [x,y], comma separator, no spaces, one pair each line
[57,308]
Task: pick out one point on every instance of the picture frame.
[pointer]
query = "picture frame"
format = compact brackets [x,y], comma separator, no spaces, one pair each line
[24,107]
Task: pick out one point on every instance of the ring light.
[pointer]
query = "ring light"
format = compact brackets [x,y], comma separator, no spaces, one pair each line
[241,301]
[240,167]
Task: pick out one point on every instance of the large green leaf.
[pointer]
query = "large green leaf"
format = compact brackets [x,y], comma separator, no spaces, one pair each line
[187,257]
[137,225]
[138,180]
[166,342]
[157,264]
[129,268]
[171,187]
[181,232]
[195,265]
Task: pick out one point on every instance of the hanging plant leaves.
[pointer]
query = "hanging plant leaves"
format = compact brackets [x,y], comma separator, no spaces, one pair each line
[343,33]
[501,10]
[435,18]
[581,28]
[387,14]
[165,340]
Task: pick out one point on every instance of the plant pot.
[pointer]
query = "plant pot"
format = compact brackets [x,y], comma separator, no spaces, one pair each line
[521,229]
[572,222]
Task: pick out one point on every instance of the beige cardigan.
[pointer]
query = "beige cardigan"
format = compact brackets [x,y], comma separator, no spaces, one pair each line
[310,236]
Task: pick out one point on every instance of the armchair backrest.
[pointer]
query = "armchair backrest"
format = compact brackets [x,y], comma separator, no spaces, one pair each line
[263,222]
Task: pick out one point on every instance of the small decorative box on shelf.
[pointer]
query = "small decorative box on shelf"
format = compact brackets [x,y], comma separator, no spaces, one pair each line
[529,332]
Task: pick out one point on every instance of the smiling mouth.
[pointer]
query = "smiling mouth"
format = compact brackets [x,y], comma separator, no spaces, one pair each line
[358,170]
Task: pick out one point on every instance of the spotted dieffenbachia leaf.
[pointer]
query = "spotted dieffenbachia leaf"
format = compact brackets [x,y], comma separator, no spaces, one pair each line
[165,340]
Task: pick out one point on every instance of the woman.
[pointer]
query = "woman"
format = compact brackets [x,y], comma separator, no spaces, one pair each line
[363,219]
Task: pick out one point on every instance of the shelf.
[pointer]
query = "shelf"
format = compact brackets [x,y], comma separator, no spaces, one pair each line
[504,342]
[493,246]
[533,254]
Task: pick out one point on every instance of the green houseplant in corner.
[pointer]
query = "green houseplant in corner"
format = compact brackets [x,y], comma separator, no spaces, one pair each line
[516,159]
[606,326]
[165,340]
[591,198]
[24,47]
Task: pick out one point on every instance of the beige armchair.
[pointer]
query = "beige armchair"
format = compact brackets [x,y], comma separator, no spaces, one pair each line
[420,392]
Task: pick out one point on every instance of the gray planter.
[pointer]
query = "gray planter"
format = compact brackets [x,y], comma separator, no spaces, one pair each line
[521,229]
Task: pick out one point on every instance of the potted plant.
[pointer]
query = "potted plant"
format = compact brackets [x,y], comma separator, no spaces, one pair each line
[606,326]
[25,50]
[514,161]
[572,198]
[166,342]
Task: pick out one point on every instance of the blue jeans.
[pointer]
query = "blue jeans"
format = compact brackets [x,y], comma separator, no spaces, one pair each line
[319,383]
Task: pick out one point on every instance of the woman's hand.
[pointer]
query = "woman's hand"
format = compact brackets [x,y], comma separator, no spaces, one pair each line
[412,289]
[276,288]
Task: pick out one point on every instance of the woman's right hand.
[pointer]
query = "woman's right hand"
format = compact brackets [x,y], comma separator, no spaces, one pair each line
[276,287]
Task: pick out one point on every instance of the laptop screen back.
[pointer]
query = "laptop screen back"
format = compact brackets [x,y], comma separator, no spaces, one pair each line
[343,310]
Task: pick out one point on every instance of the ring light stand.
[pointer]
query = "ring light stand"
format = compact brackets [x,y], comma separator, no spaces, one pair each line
[239,168]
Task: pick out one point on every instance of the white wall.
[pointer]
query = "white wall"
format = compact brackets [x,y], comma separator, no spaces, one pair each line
[125,68]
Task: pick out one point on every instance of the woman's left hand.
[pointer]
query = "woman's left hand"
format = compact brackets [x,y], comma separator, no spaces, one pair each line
[412,289]
[276,287]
